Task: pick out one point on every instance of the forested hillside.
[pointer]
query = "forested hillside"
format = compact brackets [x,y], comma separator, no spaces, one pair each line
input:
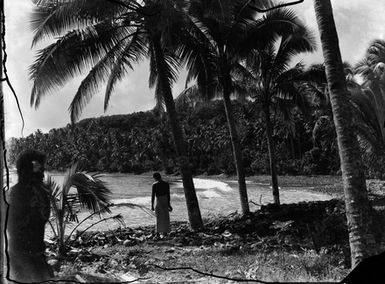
[142,142]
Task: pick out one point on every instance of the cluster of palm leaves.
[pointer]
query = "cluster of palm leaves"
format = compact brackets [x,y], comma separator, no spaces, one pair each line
[79,192]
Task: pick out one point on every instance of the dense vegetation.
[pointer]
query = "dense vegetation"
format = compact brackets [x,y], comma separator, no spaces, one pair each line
[141,142]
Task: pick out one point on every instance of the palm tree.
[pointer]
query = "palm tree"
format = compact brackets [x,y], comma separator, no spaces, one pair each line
[365,116]
[372,68]
[80,192]
[110,38]
[90,194]
[227,31]
[356,197]
[276,84]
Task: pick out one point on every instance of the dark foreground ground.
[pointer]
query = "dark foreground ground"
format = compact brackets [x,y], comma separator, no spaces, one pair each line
[294,243]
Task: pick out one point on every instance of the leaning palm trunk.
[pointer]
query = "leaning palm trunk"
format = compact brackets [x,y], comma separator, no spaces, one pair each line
[235,143]
[361,238]
[193,210]
[270,145]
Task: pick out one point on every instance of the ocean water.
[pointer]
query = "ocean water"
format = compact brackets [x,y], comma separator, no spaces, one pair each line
[216,196]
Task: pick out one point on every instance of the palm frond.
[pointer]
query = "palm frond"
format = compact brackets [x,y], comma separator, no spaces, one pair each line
[133,53]
[200,62]
[315,74]
[153,77]
[54,20]
[97,76]
[188,97]
[300,41]
[266,30]
[67,180]
[365,109]
[52,187]
[92,191]
[72,53]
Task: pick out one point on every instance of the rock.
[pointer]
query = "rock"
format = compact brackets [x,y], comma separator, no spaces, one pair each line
[170,251]
[114,263]
[127,277]
[80,279]
[227,234]
[54,263]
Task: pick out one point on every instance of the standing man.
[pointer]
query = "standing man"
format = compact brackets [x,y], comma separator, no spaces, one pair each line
[29,210]
[161,190]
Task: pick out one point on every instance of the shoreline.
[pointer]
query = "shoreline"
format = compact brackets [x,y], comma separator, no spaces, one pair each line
[291,190]
[310,184]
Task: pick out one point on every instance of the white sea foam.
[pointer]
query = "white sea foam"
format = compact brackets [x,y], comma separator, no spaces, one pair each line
[136,200]
[208,194]
[201,183]
[247,181]
[177,197]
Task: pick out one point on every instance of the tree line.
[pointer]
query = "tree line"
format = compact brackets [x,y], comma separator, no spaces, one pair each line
[140,142]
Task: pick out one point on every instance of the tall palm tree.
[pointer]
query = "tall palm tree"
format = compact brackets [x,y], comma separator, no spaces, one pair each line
[109,37]
[227,31]
[356,197]
[277,84]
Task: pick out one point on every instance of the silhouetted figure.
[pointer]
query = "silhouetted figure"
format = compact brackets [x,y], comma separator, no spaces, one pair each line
[29,210]
[161,190]
[371,270]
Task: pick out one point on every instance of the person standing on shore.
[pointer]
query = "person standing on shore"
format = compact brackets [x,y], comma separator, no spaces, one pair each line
[29,210]
[161,192]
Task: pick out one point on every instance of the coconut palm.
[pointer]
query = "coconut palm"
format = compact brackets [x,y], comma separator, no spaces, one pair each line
[109,37]
[227,32]
[356,197]
[277,85]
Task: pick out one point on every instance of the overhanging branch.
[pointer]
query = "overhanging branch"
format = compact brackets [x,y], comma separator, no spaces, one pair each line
[260,10]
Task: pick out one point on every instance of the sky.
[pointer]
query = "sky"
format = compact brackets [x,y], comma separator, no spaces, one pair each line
[358,23]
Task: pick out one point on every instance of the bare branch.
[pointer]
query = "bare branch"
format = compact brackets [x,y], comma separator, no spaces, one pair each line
[275,7]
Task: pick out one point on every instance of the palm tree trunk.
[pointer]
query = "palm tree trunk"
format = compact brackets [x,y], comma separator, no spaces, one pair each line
[61,230]
[193,210]
[361,238]
[292,148]
[271,148]
[235,141]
